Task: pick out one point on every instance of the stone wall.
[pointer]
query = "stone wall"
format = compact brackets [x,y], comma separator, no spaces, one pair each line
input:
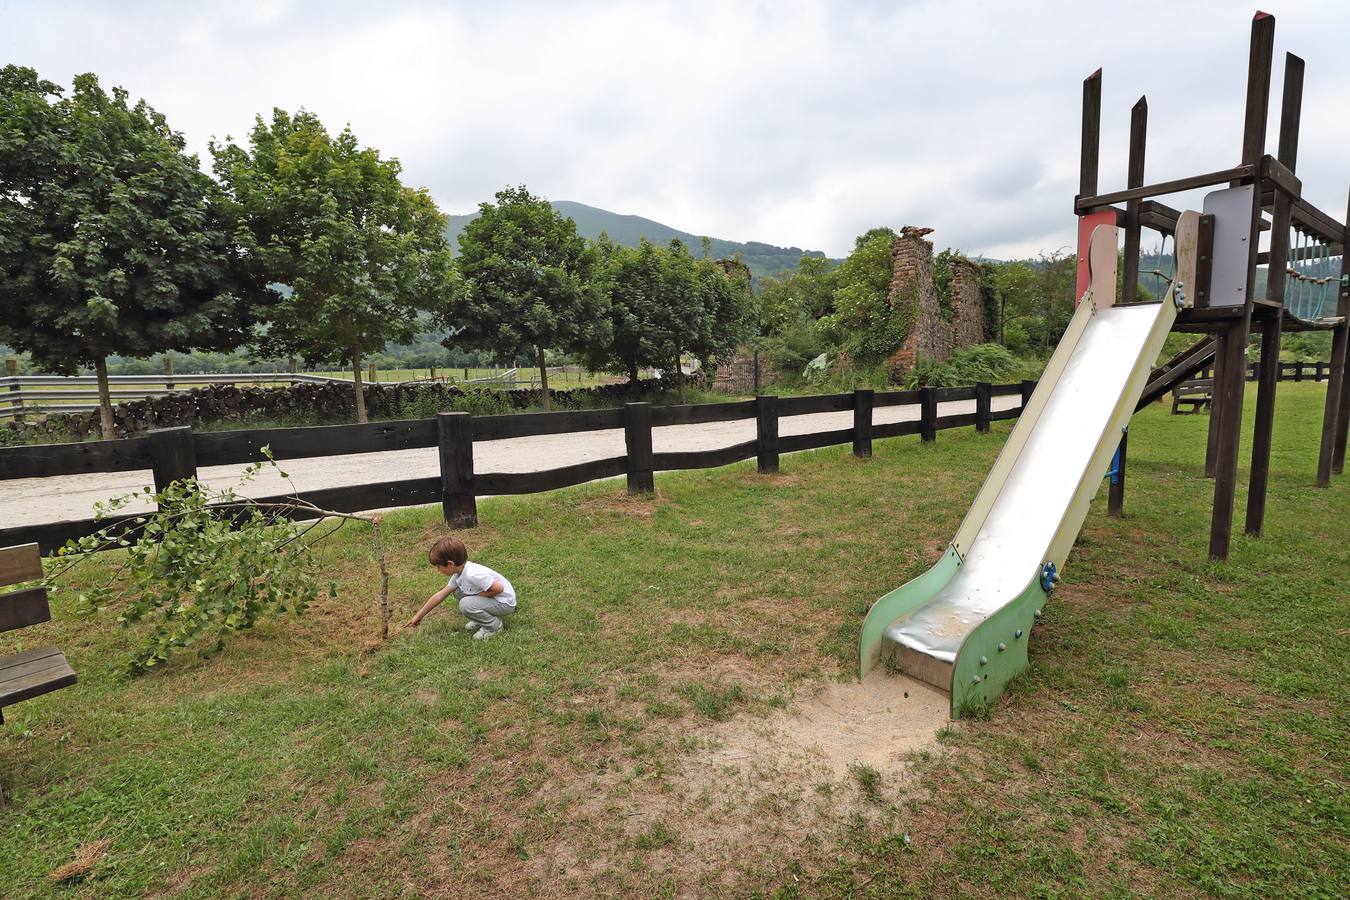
[967,306]
[332,403]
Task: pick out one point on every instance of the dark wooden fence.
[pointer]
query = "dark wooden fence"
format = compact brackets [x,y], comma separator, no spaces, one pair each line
[175,453]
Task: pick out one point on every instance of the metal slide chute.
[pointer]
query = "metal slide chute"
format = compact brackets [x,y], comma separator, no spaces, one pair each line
[963,625]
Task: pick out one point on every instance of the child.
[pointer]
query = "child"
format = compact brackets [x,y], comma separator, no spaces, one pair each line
[484,595]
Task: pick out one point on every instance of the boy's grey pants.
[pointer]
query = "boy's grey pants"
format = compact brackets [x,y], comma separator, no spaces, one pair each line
[486,611]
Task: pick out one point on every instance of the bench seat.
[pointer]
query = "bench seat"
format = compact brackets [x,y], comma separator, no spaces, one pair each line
[33,673]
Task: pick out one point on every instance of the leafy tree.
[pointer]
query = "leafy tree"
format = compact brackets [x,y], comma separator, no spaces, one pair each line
[112,240]
[864,321]
[360,253]
[530,283]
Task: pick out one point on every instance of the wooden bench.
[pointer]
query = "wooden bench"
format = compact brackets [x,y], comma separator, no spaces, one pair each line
[33,672]
[1198,393]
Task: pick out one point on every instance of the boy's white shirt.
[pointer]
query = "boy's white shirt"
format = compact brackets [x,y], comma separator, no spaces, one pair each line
[476,579]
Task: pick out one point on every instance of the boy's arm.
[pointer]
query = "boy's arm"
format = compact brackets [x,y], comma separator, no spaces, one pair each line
[432,602]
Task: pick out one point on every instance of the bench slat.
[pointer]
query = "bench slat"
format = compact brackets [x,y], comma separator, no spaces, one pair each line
[19,609]
[18,659]
[35,683]
[20,564]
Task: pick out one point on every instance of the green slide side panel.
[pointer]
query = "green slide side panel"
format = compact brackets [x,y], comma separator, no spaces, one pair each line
[901,602]
[995,651]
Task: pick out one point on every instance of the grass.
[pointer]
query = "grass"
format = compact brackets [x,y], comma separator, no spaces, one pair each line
[1181,732]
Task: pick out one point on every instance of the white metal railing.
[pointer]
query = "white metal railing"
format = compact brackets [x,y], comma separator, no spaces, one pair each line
[17,397]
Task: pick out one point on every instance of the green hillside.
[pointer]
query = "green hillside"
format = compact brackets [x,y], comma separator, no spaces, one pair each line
[763,259]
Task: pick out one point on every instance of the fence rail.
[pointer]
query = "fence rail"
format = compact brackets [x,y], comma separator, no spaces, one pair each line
[175,453]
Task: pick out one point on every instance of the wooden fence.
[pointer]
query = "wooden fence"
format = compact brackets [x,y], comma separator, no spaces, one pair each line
[176,453]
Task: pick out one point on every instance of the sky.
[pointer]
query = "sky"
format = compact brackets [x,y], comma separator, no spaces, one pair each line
[792,123]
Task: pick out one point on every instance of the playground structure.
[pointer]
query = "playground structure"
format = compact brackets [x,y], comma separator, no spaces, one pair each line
[964,625]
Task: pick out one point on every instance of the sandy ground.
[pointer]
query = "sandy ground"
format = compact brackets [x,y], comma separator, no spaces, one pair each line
[29,501]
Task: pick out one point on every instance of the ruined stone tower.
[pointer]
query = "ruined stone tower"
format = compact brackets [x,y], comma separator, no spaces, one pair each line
[915,297]
[967,308]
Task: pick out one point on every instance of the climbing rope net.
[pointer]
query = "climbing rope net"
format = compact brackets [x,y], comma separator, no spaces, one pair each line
[1312,277]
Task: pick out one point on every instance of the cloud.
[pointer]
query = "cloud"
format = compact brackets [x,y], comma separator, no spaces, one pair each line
[795,123]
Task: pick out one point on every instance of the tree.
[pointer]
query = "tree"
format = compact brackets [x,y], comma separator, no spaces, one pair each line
[529,283]
[360,253]
[112,239]
[863,319]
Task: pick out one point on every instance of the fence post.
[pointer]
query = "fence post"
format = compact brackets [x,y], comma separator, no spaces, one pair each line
[1317,375]
[168,372]
[454,440]
[373,374]
[173,456]
[1298,371]
[766,433]
[927,414]
[12,370]
[637,437]
[983,405]
[862,423]
[1028,388]
[295,365]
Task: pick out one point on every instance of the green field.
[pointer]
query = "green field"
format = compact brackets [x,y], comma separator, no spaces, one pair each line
[1182,730]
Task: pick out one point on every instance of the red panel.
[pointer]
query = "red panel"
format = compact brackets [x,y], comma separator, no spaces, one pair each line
[1085,226]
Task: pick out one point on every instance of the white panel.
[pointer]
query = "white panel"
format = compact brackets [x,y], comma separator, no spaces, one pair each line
[1232,212]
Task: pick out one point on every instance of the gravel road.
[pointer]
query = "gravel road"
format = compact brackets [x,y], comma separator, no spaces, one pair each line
[29,501]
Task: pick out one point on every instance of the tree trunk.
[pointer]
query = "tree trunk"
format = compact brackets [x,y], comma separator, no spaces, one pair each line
[360,388]
[633,372]
[679,376]
[105,414]
[543,378]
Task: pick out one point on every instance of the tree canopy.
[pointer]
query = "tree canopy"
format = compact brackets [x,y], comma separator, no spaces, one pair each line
[361,254]
[112,239]
[529,282]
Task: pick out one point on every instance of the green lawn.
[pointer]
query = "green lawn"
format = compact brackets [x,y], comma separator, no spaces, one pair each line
[1182,730]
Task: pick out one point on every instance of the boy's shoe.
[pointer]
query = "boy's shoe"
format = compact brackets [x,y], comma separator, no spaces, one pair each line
[471,627]
[483,634]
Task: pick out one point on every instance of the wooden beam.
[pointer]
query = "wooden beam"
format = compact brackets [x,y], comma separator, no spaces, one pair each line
[1336,414]
[1086,203]
[1259,63]
[1291,111]
[1129,278]
[1092,134]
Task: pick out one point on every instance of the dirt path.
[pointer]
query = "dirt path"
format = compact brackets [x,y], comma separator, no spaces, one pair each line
[29,501]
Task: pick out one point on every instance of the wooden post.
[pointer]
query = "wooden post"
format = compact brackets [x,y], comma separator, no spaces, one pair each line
[168,372]
[1336,415]
[372,376]
[766,433]
[637,436]
[454,432]
[173,456]
[1268,377]
[1215,412]
[1319,371]
[1090,146]
[1298,370]
[12,370]
[928,415]
[1028,388]
[862,423]
[1331,412]
[983,406]
[295,365]
[1115,503]
[1129,281]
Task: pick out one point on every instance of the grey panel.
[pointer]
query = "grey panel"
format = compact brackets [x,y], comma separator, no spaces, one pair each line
[1232,212]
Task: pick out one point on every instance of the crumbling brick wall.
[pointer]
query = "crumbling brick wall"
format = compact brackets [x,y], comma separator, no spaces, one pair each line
[915,298]
[967,305]
[737,375]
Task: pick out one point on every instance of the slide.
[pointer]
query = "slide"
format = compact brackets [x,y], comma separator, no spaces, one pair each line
[963,625]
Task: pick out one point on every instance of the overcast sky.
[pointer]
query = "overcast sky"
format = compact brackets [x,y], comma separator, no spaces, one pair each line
[794,123]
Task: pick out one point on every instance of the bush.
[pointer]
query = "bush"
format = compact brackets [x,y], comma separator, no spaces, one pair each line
[982,362]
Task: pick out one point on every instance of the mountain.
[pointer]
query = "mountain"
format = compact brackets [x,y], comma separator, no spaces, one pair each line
[763,259]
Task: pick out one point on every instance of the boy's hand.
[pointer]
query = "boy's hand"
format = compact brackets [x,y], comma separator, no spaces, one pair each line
[413,622]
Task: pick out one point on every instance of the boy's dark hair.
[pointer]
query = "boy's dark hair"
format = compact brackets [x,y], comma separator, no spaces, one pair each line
[448,550]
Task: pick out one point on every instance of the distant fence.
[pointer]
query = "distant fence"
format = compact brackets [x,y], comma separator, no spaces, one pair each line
[175,453]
